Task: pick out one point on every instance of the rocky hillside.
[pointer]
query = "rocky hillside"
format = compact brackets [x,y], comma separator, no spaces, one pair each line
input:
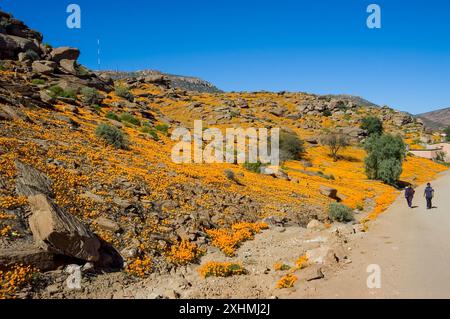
[187,83]
[86,176]
[436,119]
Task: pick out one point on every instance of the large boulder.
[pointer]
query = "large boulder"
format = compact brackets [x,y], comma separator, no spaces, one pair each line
[274,171]
[156,79]
[30,181]
[18,28]
[60,232]
[69,66]
[44,67]
[11,46]
[66,53]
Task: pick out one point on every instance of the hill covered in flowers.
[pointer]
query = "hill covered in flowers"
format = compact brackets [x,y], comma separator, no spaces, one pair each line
[143,213]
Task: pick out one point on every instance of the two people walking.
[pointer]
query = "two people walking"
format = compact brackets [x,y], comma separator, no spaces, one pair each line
[428,194]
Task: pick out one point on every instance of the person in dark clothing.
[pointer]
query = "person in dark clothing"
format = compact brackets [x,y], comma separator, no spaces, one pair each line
[429,194]
[409,195]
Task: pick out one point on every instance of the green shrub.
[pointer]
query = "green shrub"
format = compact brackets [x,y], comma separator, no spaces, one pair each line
[291,146]
[128,118]
[124,92]
[441,156]
[385,155]
[48,45]
[372,125]
[253,167]
[2,66]
[339,212]
[57,91]
[91,96]
[38,81]
[150,131]
[327,113]
[447,132]
[112,116]
[112,135]
[329,177]
[163,128]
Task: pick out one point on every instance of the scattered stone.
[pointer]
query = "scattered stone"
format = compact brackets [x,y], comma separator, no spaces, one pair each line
[329,192]
[108,224]
[44,67]
[315,225]
[319,255]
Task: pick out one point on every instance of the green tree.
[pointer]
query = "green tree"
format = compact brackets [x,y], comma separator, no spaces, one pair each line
[372,125]
[385,155]
[291,146]
[447,131]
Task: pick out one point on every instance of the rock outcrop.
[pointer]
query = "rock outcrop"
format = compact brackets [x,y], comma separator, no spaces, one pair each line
[61,233]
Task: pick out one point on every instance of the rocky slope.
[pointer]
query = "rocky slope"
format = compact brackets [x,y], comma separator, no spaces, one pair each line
[121,214]
[436,119]
[187,83]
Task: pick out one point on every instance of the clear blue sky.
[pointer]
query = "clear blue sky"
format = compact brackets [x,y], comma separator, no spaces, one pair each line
[320,46]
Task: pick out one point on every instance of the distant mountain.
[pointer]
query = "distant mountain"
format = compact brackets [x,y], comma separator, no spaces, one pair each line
[436,119]
[188,83]
[351,98]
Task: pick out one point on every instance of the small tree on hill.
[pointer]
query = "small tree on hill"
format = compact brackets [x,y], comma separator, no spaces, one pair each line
[385,155]
[291,146]
[372,125]
[447,132]
[335,141]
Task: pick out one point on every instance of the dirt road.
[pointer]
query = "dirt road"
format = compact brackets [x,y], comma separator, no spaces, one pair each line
[411,247]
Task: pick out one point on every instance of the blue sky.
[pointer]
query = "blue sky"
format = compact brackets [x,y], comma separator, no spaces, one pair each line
[321,46]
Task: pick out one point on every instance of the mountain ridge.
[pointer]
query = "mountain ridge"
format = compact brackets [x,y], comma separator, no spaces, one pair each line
[437,119]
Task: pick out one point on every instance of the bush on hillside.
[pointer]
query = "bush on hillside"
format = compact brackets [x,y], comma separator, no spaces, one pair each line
[112,135]
[150,131]
[447,132]
[91,96]
[339,212]
[57,91]
[291,147]
[38,81]
[112,116]
[124,92]
[129,118]
[253,167]
[163,128]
